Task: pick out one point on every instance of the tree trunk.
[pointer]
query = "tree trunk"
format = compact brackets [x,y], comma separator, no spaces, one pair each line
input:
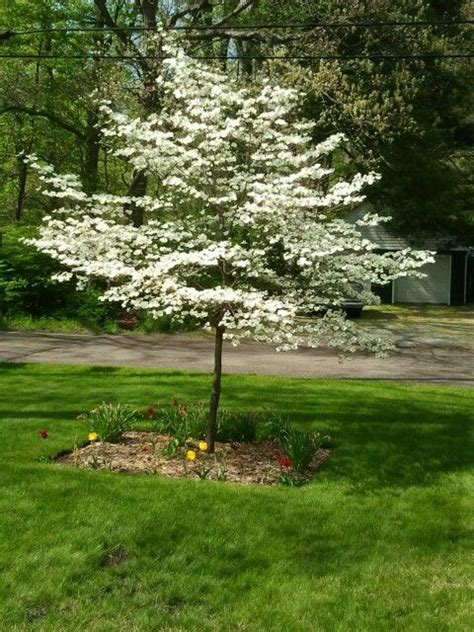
[137,188]
[93,133]
[149,97]
[216,390]
[91,163]
[22,175]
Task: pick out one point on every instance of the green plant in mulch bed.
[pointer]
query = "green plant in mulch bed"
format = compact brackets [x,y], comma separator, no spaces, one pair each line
[179,420]
[187,423]
[240,427]
[186,426]
[299,449]
[108,421]
[184,422]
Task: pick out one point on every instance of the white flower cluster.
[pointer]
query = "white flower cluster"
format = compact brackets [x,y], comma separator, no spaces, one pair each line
[243,231]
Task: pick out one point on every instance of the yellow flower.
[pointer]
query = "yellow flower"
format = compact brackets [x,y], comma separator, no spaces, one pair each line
[93,436]
[190,455]
[203,446]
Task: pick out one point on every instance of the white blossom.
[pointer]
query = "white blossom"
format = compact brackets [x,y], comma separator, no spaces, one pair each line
[246,230]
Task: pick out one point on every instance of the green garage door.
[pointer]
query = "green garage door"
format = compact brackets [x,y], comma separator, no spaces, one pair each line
[433,288]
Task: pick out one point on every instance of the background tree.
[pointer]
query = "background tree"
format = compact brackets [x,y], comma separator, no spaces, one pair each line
[393,111]
[409,119]
[242,233]
[47,104]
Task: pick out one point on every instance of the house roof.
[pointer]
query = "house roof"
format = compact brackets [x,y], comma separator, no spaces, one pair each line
[381,236]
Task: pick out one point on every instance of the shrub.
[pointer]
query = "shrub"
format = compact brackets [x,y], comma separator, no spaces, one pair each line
[26,287]
[89,310]
[25,275]
[110,421]
[166,324]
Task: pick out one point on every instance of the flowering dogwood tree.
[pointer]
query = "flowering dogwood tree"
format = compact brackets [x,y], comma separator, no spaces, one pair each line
[243,233]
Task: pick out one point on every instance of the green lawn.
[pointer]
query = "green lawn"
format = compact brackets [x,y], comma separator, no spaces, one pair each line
[379,541]
[396,315]
[46,323]
[412,314]
[66,325]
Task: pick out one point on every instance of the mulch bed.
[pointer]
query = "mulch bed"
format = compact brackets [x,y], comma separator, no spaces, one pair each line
[141,453]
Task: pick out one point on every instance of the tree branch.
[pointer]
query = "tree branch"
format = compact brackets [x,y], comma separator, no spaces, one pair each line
[195,8]
[48,115]
[110,22]
[243,4]
[253,36]
[123,36]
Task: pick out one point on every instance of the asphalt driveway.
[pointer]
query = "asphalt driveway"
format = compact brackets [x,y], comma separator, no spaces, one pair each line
[418,358]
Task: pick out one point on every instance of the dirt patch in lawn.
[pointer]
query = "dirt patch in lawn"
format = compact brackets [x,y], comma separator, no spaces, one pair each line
[259,462]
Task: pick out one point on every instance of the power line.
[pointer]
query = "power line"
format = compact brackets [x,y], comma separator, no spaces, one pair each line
[251,27]
[374,56]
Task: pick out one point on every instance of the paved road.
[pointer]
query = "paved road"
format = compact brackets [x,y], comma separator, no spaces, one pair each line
[417,359]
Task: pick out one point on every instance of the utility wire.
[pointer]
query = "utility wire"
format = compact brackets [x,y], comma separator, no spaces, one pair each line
[251,27]
[375,56]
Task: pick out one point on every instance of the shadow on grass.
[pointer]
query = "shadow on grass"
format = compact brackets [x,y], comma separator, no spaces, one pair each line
[384,435]
[387,435]
[69,370]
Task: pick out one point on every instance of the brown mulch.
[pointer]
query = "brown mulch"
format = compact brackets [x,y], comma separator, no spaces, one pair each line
[141,453]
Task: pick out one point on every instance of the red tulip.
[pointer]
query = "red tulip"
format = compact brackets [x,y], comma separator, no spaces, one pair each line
[286,462]
[43,434]
[150,412]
